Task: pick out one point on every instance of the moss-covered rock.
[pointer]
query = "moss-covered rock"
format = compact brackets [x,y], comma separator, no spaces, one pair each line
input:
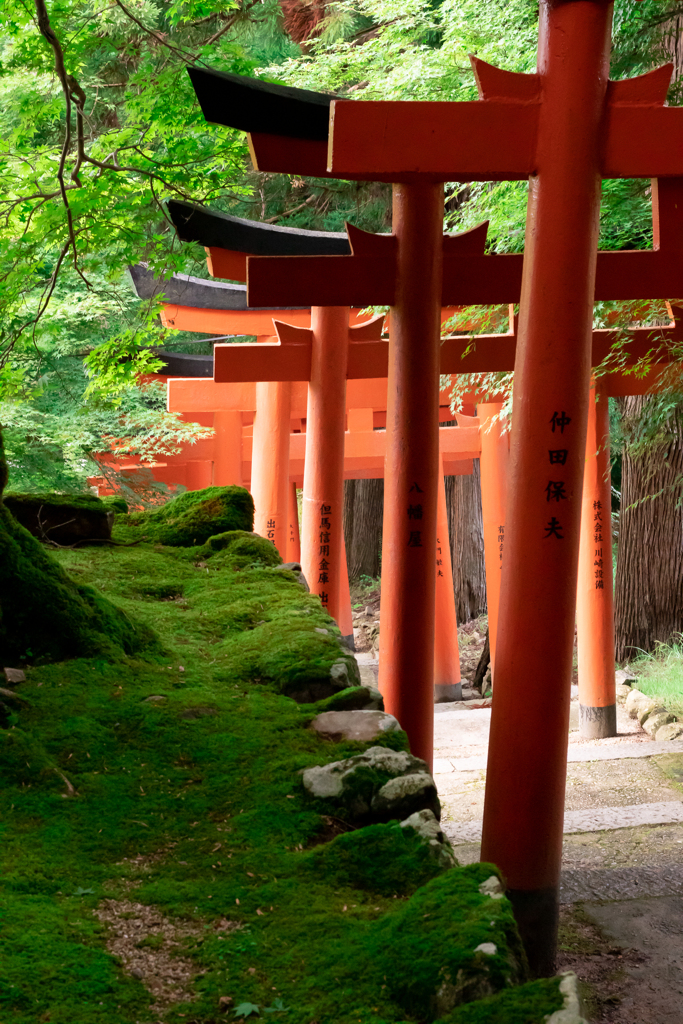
[378,785]
[436,959]
[47,616]
[531,1003]
[387,859]
[241,548]
[191,518]
[353,698]
[62,518]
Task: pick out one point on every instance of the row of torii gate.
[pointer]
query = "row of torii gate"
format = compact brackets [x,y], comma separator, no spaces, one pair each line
[564,128]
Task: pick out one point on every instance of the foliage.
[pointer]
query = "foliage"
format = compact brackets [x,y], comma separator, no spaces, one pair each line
[660,674]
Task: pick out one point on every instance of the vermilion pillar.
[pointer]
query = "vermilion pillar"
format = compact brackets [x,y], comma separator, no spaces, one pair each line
[321,520]
[523,824]
[293,538]
[594,600]
[412,465]
[495,455]
[227,460]
[270,462]
[447,682]
[198,474]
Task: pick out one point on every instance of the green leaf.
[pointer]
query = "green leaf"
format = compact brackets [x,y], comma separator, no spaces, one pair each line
[246,1010]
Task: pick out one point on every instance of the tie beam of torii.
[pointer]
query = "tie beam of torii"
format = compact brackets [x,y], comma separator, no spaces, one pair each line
[565,128]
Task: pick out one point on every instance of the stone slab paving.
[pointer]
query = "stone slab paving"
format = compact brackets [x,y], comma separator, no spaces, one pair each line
[597,819]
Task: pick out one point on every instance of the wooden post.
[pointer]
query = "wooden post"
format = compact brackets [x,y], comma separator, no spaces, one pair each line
[227,460]
[321,521]
[495,455]
[595,601]
[447,681]
[293,537]
[412,465]
[270,462]
[523,825]
[199,473]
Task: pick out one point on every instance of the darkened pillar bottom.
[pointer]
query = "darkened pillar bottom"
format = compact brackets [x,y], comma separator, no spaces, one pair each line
[447,691]
[597,723]
[537,916]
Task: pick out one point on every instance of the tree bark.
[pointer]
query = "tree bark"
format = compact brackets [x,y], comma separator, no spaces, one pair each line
[363,513]
[648,594]
[466,528]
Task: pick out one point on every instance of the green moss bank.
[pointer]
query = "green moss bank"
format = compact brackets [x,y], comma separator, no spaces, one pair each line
[193,517]
[161,799]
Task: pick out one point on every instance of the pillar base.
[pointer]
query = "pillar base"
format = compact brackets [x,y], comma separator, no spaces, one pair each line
[349,641]
[447,692]
[537,914]
[597,723]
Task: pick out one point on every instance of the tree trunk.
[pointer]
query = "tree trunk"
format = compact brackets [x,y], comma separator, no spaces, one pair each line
[363,512]
[648,595]
[466,528]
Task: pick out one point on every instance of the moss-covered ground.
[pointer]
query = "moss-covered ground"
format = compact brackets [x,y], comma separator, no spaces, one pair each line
[170,781]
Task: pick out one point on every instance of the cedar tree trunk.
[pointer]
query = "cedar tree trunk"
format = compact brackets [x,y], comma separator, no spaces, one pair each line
[363,512]
[466,528]
[648,593]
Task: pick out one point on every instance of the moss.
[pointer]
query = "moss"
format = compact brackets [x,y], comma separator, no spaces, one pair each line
[194,516]
[241,549]
[531,1003]
[385,859]
[353,698]
[115,503]
[201,817]
[428,949]
[46,616]
[85,502]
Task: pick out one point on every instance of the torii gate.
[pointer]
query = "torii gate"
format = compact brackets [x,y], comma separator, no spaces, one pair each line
[566,128]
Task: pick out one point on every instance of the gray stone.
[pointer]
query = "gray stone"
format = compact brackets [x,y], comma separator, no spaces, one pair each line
[487,948]
[405,795]
[657,720]
[624,676]
[633,702]
[492,887]
[14,676]
[672,731]
[375,698]
[645,710]
[571,1012]
[358,785]
[294,567]
[362,726]
[623,691]
[344,673]
[319,629]
[428,828]
[156,698]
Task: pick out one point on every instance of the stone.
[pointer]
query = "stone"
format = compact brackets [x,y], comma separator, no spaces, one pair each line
[62,519]
[492,887]
[14,676]
[404,795]
[656,721]
[571,1012]
[358,785]
[633,701]
[294,567]
[624,676]
[672,731]
[425,824]
[645,710]
[622,691]
[320,629]
[362,726]
[343,675]
[487,948]
[156,698]
[11,695]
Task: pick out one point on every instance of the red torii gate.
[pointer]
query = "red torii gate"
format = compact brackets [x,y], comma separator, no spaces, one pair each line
[565,127]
